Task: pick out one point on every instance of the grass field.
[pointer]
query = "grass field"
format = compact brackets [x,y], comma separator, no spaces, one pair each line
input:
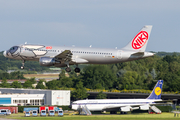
[41,76]
[144,116]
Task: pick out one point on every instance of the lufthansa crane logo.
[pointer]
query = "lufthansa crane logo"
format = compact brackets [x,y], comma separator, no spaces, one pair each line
[157,90]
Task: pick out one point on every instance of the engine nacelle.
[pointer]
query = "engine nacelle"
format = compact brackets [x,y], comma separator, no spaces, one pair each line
[125,109]
[144,107]
[47,61]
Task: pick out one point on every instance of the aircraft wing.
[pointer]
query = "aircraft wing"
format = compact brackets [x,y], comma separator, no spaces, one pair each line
[124,108]
[65,56]
[127,108]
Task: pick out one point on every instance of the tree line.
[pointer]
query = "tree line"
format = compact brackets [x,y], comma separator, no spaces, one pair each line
[138,74]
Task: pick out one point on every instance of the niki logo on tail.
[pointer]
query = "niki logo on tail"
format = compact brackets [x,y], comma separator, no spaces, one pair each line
[140,40]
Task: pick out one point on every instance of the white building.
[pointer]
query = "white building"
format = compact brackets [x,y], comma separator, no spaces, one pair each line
[21,99]
[15,96]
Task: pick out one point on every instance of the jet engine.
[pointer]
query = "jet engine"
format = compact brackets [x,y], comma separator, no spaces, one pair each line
[47,61]
[144,107]
[126,109]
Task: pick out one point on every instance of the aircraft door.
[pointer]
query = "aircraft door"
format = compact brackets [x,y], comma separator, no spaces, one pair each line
[119,54]
[22,49]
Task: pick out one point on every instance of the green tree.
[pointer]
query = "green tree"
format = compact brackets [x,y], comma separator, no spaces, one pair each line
[98,86]
[101,74]
[32,80]
[73,74]
[129,80]
[62,74]
[80,92]
[16,75]
[174,67]
[66,82]
[53,85]
[5,84]
[16,84]
[40,85]
[27,84]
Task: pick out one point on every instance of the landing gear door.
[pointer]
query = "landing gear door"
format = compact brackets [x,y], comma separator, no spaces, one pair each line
[119,54]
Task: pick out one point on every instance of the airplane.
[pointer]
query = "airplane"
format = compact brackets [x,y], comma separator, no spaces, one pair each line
[124,105]
[61,56]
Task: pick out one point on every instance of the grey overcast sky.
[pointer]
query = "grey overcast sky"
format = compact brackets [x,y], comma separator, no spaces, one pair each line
[100,23]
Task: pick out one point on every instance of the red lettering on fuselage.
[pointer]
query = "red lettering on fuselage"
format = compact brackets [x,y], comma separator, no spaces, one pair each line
[49,47]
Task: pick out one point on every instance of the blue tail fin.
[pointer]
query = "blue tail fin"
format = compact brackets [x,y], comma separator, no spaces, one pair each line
[157,91]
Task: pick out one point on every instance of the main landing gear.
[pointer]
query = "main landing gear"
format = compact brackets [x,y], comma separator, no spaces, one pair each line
[77,70]
[68,69]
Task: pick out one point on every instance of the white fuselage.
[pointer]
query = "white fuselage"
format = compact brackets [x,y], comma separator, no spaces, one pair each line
[79,55]
[107,104]
[61,56]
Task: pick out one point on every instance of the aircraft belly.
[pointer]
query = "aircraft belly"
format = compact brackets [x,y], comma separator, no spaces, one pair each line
[95,108]
[16,58]
[103,60]
[98,59]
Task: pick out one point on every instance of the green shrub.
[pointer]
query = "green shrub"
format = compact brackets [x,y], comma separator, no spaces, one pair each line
[165,108]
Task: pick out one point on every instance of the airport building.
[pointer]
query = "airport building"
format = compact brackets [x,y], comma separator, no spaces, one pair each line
[16,96]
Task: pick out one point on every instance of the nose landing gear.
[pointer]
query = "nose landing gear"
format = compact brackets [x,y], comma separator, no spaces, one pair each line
[22,67]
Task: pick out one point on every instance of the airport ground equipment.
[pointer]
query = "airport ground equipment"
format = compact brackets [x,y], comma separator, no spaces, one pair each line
[43,113]
[30,109]
[27,114]
[51,111]
[42,110]
[5,112]
[12,109]
[155,109]
[35,113]
[60,113]
[83,110]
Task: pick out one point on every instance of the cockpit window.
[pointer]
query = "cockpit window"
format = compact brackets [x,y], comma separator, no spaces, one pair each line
[13,49]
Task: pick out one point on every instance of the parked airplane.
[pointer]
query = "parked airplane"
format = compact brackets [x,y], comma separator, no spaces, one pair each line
[64,56]
[123,105]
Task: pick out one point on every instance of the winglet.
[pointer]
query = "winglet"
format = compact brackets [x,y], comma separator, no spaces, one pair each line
[139,42]
[157,91]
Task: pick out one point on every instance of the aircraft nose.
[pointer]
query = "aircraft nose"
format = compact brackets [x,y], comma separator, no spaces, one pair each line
[4,53]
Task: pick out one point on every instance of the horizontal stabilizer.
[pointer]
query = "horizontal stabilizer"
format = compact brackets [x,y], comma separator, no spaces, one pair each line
[138,54]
